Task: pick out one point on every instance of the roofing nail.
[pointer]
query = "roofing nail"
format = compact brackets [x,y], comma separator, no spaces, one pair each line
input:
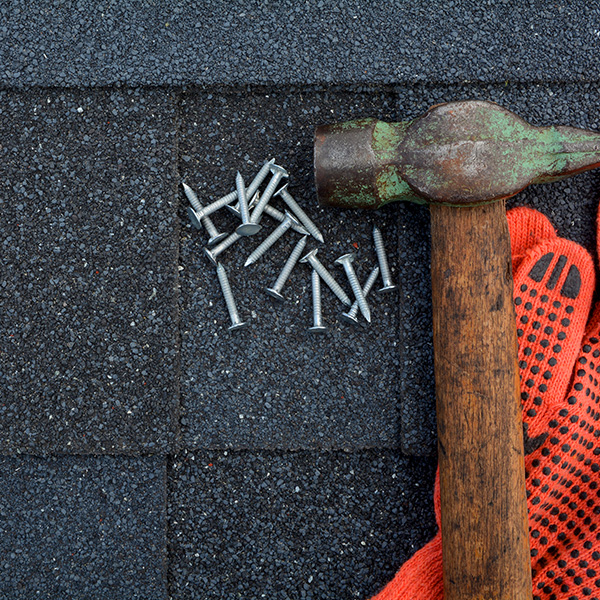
[260,177]
[228,241]
[246,228]
[318,326]
[298,212]
[278,174]
[236,322]
[270,239]
[346,261]
[275,291]
[326,276]
[279,216]
[229,198]
[352,314]
[388,285]
[234,209]
[213,232]
[216,205]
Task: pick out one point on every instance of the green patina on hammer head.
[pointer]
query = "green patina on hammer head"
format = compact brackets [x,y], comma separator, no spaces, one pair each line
[458,153]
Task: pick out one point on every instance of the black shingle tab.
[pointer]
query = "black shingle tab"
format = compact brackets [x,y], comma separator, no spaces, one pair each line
[417,383]
[82,527]
[344,42]
[294,525]
[276,385]
[89,241]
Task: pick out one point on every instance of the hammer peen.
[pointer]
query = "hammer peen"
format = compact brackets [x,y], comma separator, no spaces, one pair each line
[464,159]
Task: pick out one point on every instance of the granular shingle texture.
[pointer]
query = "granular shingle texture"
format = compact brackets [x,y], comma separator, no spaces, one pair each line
[82,527]
[416,403]
[328,526]
[49,43]
[88,299]
[276,385]
[96,340]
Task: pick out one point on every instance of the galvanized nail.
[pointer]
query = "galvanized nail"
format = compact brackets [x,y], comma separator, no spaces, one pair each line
[236,322]
[352,315]
[234,209]
[229,198]
[270,239]
[299,213]
[214,234]
[388,285]
[326,276]
[279,216]
[212,253]
[275,291]
[346,261]
[246,228]
[278,174]
[318,326]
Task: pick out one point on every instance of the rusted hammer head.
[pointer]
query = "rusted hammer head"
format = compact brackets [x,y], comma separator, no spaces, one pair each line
[458,153]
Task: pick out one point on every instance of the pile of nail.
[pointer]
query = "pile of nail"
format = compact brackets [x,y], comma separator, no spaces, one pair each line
[249,205]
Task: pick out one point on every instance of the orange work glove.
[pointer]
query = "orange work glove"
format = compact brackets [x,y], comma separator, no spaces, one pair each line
[559,358]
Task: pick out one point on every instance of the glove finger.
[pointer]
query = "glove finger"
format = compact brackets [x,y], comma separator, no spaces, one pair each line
[527,227]
[553,293]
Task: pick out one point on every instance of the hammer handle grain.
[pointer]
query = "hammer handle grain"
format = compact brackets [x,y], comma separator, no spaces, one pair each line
[485,536]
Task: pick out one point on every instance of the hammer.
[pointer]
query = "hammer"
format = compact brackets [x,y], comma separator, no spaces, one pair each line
[464,159]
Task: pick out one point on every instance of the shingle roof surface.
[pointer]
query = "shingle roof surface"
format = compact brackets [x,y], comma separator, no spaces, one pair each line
[252,42]
[269,463]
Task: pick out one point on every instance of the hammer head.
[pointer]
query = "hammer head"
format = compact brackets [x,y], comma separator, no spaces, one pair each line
[458,153]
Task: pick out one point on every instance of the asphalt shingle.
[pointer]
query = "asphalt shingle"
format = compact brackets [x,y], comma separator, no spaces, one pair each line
[88,300]
[90,336]
[82,527]
[276,385]
[289,42]
[294,525]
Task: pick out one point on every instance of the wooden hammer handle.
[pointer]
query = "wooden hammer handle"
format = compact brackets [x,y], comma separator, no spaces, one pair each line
[485,535]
